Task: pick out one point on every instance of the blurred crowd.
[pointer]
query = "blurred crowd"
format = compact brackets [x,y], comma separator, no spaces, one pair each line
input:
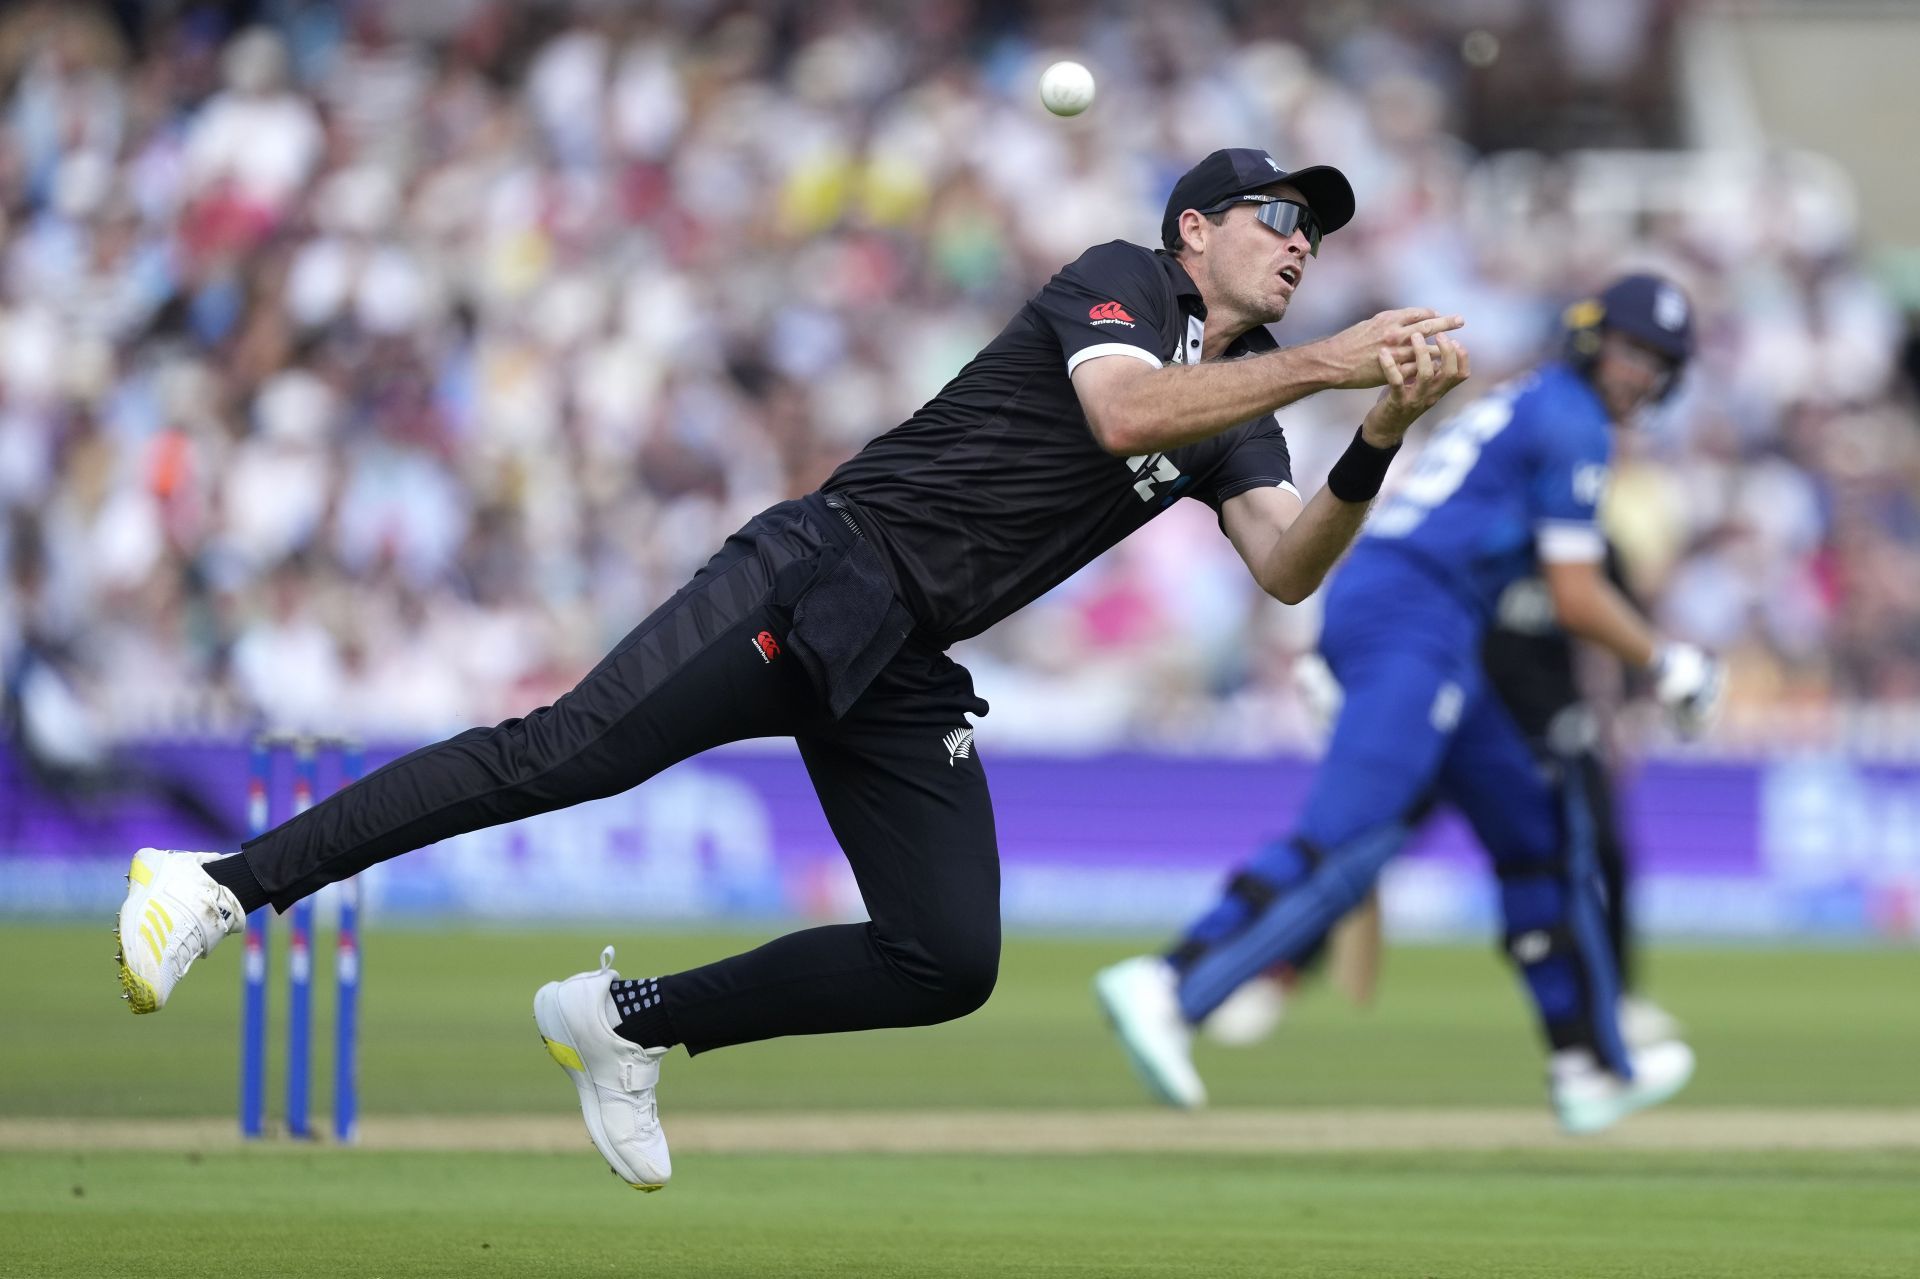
[377,366]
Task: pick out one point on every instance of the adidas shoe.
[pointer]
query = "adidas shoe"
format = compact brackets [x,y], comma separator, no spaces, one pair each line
[1141,1000]
[615,1077]
[174,914]
[1589,1099]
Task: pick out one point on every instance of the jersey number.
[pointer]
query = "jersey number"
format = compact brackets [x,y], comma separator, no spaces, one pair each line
[1443,466]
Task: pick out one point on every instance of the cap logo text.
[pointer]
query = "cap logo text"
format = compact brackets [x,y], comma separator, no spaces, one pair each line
[1669,309]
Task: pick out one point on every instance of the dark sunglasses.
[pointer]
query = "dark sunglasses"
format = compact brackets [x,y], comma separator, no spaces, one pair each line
[1284,216]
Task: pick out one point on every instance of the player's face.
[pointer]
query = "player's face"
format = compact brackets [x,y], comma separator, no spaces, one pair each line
[1629,376]
[1253,267]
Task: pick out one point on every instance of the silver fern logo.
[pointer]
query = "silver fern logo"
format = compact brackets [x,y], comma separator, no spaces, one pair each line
[959,744]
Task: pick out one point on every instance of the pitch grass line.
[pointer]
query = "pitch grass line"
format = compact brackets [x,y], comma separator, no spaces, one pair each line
[1047,1132]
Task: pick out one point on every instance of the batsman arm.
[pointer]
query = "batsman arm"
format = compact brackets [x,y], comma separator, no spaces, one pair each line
[1590,606]
[1687,681]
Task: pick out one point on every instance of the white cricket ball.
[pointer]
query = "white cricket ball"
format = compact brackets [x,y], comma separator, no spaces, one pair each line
[1066,88]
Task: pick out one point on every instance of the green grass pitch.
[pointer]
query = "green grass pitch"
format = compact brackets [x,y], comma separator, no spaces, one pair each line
[448,1031]
[363,1214]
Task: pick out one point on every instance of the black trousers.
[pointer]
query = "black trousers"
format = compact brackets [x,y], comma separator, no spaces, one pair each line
[718,663]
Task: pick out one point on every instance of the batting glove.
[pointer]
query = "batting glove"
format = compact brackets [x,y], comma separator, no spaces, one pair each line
[1689,684]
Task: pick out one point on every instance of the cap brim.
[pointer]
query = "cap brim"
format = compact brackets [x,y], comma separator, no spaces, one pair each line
[1327,192]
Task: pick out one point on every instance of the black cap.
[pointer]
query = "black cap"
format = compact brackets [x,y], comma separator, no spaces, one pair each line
[1242,170]
[1651,310]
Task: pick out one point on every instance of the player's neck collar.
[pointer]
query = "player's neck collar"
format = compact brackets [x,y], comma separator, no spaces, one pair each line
[1185,291]
[1188,297]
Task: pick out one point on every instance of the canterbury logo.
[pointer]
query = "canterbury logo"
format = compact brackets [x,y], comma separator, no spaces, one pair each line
[1110,313]
[766,645]
[959,744]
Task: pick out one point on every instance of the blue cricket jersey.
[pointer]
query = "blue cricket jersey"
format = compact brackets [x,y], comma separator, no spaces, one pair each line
[1510,481]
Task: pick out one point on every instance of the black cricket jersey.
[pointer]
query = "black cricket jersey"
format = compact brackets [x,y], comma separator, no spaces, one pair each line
[996,491]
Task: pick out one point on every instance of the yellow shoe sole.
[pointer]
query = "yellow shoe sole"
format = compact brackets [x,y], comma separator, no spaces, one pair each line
[140,995]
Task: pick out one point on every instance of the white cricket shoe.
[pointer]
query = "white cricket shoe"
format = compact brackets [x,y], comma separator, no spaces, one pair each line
[1644,1023]
[174,914]
[1142,1002]
[615,1077]
[1588,1098]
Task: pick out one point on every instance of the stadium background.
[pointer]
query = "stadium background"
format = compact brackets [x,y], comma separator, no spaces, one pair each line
[370,368]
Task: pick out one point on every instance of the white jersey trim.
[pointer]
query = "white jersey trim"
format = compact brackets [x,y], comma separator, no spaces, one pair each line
[1110,348]
[1568,542]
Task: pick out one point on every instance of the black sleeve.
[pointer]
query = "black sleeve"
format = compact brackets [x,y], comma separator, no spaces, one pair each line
[1112,296]
[1258,460]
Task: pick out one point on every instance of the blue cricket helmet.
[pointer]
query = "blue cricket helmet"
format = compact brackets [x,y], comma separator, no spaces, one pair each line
[1650,309]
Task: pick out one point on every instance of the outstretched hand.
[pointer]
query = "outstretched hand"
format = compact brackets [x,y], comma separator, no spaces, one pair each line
[1354,351]
[1436,369]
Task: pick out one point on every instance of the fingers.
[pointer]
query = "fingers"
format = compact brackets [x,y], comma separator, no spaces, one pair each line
[1390,367]
[1466,364]
[1417,363]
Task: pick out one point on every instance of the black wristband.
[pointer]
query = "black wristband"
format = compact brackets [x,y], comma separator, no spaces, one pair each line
[1357,476]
